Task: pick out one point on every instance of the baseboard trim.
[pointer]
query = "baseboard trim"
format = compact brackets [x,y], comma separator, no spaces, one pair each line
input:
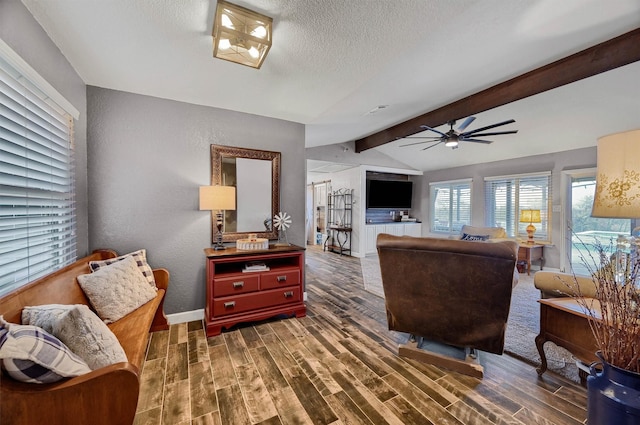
[185,316]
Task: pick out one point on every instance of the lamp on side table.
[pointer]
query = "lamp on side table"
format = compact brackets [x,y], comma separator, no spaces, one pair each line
[218,198]
[530,216]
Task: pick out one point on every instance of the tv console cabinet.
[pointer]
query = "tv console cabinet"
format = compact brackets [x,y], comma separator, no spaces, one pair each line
[235,296]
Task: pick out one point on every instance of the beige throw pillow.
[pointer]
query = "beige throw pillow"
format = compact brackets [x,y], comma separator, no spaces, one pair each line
[80,329]
[44,316]
[89,338]
[141,260]
[116,290]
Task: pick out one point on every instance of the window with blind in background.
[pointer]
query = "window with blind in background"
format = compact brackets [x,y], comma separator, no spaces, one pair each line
[37,204]
[450,205]
[506,196]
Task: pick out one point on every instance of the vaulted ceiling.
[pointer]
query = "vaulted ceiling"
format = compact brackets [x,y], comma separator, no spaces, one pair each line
[334,63]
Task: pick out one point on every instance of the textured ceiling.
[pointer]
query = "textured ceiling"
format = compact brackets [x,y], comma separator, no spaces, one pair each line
[333,61]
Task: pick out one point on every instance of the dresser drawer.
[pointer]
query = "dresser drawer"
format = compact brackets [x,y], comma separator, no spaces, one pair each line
[280,278]
[239,284]
[249,302]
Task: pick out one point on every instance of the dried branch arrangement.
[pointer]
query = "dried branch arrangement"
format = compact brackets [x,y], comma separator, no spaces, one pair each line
[615,317]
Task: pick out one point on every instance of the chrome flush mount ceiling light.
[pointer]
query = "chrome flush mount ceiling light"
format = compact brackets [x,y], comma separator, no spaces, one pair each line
[241,35]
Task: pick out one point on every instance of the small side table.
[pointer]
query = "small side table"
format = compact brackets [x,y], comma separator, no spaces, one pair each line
[531,252]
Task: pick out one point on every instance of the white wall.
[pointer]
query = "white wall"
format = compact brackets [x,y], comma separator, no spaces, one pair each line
[147,158]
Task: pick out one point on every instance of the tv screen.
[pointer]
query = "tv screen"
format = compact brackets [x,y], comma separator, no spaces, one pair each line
[392,194]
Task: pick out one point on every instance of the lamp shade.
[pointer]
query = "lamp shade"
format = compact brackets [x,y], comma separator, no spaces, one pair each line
[217,198]
[241,35]
[618,176]
[530,216]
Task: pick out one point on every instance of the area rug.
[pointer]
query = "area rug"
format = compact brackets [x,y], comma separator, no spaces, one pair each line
[522,327]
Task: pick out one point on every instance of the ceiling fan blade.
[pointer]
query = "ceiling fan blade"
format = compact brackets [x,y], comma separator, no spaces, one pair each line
[477,141]
[468,133]
[421,137]
[434,130]
[497,133]
[435,144]
[417,143]
[466,123]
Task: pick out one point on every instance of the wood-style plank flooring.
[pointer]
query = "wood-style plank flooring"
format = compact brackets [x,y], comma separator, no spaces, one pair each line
[336,366]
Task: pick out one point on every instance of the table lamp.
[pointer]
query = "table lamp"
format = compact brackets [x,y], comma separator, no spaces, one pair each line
[218,198]
[530,216]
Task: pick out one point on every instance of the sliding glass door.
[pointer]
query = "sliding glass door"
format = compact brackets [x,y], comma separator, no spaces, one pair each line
[584,232]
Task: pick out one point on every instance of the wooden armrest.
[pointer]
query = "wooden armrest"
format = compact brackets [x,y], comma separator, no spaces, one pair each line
[161,277]
[104,396]
[160,322]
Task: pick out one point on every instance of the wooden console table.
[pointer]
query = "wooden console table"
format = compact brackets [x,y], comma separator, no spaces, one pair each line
[234,296]
[531,252]
[565,322]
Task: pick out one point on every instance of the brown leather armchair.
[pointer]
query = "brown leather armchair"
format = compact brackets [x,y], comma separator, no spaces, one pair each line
[453,292]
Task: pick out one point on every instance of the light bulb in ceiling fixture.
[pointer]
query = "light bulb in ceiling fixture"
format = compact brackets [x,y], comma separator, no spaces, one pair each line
[226,21]
[259,32]
[451,143]
[224,44]
[254,52]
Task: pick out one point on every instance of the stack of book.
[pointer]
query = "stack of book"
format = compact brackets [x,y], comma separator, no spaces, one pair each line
[255,266]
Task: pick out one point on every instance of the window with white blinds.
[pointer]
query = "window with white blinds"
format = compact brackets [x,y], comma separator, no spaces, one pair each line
[37,203]
[450,205]
[506,196]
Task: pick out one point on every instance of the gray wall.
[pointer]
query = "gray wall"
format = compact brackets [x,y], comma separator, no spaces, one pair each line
[556,163]
[148,156]
[25,36]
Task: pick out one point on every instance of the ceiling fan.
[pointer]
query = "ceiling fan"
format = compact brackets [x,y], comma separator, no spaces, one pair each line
[452,138]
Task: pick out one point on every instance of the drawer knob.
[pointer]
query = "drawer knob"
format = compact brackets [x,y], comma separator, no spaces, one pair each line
[282,278]
[239,284]
[230,304]
[288,294]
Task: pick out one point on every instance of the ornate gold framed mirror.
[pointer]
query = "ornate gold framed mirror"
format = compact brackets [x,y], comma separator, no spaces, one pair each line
[256,177]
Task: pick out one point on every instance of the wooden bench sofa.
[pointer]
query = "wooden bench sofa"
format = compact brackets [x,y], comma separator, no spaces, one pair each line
[105,396]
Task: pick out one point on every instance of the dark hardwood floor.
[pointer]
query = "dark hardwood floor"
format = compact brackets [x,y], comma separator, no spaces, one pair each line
[338,365]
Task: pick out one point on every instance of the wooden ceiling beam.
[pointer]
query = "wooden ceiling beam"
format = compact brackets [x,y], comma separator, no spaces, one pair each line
[611,54]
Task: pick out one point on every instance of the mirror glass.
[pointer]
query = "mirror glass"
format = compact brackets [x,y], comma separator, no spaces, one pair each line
[256,177]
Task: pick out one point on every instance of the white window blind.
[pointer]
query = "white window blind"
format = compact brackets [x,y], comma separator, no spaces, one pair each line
[505,196]
[450,205]
[37,203]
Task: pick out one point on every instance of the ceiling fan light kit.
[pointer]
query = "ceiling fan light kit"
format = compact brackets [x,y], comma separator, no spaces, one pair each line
[452,138]
[241,35]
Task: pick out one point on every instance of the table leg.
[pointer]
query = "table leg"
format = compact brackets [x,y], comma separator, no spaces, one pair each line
[540,340]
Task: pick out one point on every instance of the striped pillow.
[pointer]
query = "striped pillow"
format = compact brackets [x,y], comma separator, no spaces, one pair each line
[141,260]
[29,354]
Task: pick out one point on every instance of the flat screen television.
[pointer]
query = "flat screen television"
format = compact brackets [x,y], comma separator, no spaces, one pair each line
[391,194]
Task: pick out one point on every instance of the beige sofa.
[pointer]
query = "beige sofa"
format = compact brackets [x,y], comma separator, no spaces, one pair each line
[557,284]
